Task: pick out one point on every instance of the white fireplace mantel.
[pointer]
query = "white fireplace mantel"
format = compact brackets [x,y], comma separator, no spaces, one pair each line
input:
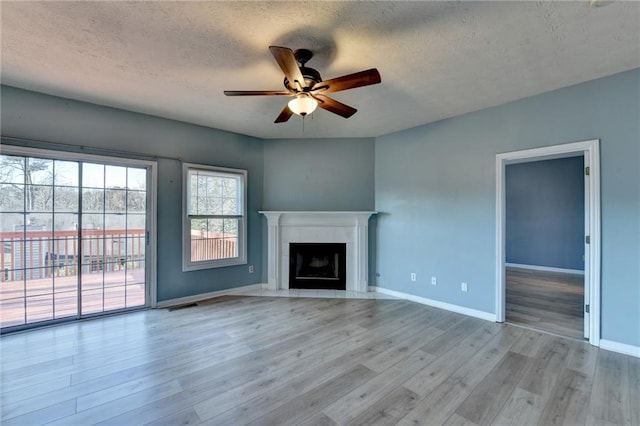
[286,227]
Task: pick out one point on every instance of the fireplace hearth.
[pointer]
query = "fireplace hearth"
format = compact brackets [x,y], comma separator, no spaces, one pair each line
[317,266]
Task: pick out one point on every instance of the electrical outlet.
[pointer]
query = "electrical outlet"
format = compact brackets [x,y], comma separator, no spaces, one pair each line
[413,276]
[434,281]
[463,287]
[251,269]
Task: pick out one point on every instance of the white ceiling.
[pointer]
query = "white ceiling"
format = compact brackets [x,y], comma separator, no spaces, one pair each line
[437,59]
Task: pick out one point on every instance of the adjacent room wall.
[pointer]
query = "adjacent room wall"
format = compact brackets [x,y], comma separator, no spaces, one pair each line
[37,116]
[545,213]
[435,189]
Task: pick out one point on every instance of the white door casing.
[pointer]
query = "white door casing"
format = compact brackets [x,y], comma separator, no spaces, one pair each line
[590,150]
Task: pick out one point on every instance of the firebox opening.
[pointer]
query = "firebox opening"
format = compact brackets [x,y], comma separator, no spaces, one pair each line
[317,266]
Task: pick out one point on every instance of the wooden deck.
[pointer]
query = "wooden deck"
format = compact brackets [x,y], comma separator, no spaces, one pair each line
[301,361]
[57,297]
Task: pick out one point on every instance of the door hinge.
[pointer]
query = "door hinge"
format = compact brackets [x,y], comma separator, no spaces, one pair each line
[586,308]
[587,239]
[147,238]
[587,170]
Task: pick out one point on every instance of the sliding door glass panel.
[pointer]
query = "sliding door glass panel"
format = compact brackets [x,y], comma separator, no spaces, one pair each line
[135,243]
[114,229]
[93,238]
[39,308]
[38,232]
[12,302]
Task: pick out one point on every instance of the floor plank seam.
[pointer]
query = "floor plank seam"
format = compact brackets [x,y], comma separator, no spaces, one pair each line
[310,361]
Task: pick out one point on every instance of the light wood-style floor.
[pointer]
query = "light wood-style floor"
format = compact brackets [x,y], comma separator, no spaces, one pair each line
[548,301]
[239,360]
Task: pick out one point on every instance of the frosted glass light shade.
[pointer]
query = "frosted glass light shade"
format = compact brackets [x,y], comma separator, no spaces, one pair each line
[303,105]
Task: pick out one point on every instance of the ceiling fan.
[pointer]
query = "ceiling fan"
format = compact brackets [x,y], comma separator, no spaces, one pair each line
[306,86]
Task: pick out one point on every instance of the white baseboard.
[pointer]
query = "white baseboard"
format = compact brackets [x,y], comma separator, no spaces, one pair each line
[205,296]
[622,348]
[544,268]
[437,304]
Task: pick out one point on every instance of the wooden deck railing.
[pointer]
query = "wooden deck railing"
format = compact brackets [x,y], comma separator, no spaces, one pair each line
[209,247]
[41,254]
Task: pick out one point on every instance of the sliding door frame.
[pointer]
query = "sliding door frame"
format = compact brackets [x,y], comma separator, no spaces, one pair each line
[151,219]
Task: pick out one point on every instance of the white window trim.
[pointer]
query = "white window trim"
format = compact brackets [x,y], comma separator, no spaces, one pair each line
[187,264]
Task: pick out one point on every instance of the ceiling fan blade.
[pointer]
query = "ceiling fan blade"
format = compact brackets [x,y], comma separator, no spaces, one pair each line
[257,93]
[350,81]
[285,115]
[334,106]
[287,61]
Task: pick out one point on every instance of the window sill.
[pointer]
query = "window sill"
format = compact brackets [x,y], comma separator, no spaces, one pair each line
[223,263]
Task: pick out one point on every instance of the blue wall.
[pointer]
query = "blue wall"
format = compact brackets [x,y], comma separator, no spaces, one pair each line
[435,187]
[319,174]
[32,115]
[545,213]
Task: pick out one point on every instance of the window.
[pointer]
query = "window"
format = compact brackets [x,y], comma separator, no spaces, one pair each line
[214,218]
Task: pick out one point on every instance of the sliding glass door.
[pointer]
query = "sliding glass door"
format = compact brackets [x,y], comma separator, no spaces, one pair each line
[113,237]
[74,238]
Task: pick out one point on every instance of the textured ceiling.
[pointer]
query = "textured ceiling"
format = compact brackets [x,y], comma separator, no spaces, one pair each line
[437,59]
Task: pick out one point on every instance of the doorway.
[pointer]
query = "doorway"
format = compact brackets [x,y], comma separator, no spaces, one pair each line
[589,150]
[75,236]
[545,245]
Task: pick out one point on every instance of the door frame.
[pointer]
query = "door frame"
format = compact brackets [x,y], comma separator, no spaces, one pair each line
[152,166]
[590,149]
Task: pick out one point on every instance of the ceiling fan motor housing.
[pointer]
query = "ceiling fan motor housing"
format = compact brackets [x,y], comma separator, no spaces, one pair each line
[311,77]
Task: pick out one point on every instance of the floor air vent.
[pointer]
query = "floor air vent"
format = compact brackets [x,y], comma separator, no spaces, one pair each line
[188,305]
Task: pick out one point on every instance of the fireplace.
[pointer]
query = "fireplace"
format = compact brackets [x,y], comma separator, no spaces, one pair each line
[343,227]
[318,266]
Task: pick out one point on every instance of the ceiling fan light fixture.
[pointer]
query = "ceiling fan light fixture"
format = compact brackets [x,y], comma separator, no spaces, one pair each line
[303,105]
